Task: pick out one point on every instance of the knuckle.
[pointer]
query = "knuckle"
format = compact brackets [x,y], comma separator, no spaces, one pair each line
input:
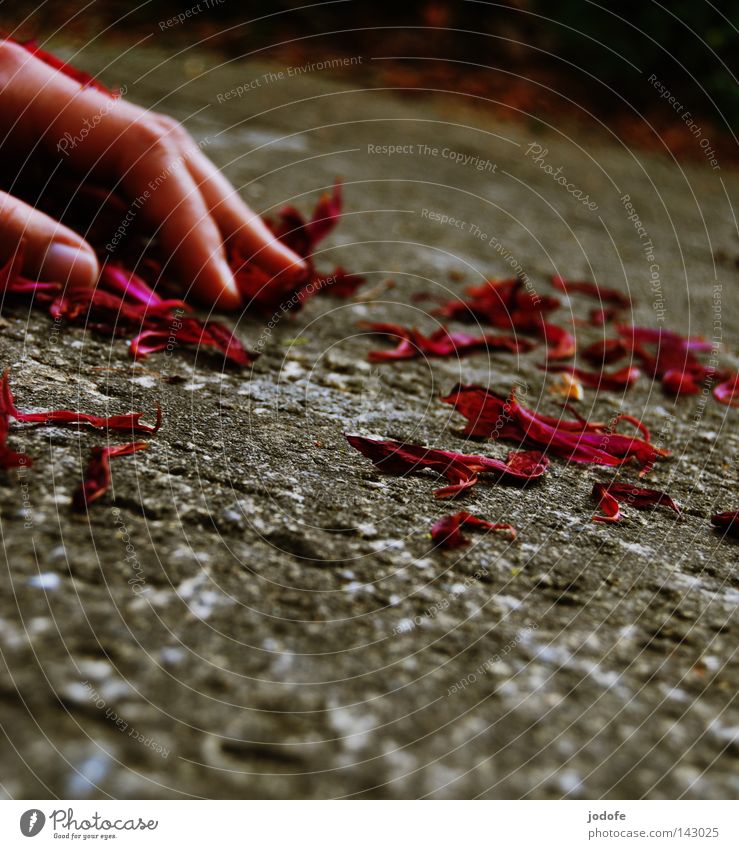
[172,128]
[12,52]
[12,58]
[147,136]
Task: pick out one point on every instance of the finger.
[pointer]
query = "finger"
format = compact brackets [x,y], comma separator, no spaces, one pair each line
[51,252]
[237,222]
[125,141]
[186,230]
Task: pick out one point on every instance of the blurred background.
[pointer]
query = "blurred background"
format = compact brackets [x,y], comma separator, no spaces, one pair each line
[568,60]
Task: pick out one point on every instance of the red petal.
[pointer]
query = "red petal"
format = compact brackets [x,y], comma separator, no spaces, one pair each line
[130,422]
[326,215]
[605,351]
[496,417]
[445,532]
[441,343]
[76,74]
[610,495]
[617,380]
[560,343]
[729,519]
[728,391]
[400,458]
[602,293]
[678,382]
[96,480]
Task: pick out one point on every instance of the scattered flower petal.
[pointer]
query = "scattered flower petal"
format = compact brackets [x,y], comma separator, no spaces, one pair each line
[727,392]
[441,343]
[97,474]
[446,532]
[497,417]
[192,331]
[602,293]
[127,423]
[605,351]
[610,495]
[728,520]
[617,380]
[68,70]
[461,470]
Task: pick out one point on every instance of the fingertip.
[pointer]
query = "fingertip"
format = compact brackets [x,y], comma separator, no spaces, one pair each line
[224,291]
[268,251]
[69,264]
[286,258]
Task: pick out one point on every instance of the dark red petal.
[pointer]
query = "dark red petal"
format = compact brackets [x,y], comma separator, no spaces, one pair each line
[602,293]
[560,343]
[610,495]
[96,480]
[339,284]
[729,520]
[441,343]
[496,417]
[605,351]
[608,504]
[127,423]
[617,380]
[678,382]
[326,214]
[76,74]
[446,533]
[727,392]
[400,458]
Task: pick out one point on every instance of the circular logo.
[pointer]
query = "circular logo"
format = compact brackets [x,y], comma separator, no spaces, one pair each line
[32,822]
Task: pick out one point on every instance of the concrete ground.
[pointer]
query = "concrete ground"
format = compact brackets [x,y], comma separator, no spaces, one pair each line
[255,612]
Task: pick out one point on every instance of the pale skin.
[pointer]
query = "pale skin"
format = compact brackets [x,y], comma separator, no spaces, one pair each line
[194,210]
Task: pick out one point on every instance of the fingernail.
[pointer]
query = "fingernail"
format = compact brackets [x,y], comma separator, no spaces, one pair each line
[64,263]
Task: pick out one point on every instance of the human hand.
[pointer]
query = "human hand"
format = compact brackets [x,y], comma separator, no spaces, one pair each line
[194,209]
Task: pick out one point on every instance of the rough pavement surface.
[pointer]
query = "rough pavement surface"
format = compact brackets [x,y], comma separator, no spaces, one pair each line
[254,611]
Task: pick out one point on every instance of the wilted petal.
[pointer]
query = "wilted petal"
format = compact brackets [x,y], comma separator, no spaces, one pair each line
[727,392]
[96,480]
[610,495]
[446,532]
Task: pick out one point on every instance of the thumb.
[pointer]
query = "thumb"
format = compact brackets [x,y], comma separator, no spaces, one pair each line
[53,252]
